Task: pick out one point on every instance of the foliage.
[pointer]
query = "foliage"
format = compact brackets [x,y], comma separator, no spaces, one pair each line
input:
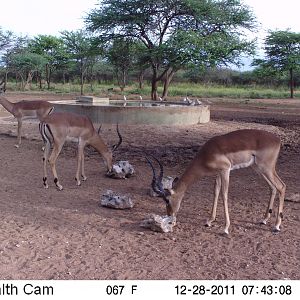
[25,64]
[175,33]
[121,55]
[52,49]
[6,39]
[282,50]
[83,49]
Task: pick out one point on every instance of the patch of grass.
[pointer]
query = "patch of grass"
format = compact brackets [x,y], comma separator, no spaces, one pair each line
[177,90]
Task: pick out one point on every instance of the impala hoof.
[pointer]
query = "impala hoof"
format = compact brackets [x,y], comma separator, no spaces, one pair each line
[276,230]
[17,146]
[263,222]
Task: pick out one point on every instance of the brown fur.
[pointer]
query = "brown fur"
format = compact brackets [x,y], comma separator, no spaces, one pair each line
[22,109]
[224,153]
[63,125]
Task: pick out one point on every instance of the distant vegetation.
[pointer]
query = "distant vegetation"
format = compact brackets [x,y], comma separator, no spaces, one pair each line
[177,90]
[174,48]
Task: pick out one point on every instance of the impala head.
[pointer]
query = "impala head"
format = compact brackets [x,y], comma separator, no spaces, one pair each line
[171,197]
[108,156]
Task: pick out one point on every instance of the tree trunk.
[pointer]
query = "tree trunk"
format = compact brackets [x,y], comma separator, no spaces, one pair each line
[81,77]
[141,79]
[48,75]
[154,83]
[28,81]
[154,93]
[4,81]
[39,76]
[292,82]
[168,78]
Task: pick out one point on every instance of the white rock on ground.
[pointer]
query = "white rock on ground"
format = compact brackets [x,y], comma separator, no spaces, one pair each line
[112,200]
[159,223]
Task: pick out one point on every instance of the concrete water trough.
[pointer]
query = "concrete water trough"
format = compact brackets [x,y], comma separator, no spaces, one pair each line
[136,112]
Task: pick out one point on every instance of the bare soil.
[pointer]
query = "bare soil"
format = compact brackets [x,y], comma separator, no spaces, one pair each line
[51,234]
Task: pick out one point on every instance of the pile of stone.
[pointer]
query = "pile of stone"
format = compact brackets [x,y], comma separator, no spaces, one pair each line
[112,200]
[121,170]
[159,223]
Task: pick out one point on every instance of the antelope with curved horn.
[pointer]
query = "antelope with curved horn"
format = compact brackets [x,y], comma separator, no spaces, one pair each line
[59,126]
[219,156]
[26,110]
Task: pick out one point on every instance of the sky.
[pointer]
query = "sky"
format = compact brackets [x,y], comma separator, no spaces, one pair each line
[33,17]
[50,17]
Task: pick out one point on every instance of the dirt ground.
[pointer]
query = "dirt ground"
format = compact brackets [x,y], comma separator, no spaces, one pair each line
[51,234]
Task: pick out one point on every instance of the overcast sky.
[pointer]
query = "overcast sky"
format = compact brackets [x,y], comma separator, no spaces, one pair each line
[33,17]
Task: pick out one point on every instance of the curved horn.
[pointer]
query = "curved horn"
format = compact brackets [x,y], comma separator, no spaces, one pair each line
[156,184]
[161,173]
[116,146]
[99,130]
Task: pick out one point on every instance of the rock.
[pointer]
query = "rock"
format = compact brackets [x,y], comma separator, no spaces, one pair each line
[167,184]
[111,200]
[159,223]
[293,197]
[121,170]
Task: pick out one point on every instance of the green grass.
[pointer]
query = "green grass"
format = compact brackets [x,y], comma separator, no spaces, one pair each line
[176,90]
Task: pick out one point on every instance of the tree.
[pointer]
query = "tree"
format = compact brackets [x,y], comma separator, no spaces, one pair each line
[175,33]
[6,41]
[282,51]
[82,48]
[121,56]
[25,64]
[51,48]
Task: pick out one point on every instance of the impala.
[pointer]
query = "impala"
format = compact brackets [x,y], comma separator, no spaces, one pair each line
[57,128]
[26,110]
[219,156]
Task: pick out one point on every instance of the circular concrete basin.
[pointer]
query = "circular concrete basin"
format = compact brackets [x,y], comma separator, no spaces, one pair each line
[138,112]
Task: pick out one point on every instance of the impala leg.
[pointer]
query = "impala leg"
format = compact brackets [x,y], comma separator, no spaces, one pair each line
[274,179]
[80,163]
[273,191]
[84,178]
[216,196]
[281,187]
[19,133]
[52,160]
[224,189]
[45,159]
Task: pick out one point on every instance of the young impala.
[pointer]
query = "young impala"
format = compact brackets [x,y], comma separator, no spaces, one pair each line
[59,126]
[219,156]
[26,110]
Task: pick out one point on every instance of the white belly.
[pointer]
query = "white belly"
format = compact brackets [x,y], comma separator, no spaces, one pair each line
[243,164]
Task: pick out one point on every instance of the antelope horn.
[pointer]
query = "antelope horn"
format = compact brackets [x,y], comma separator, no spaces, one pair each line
[99,130]
[161,173]
[157,182]
[116,146]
